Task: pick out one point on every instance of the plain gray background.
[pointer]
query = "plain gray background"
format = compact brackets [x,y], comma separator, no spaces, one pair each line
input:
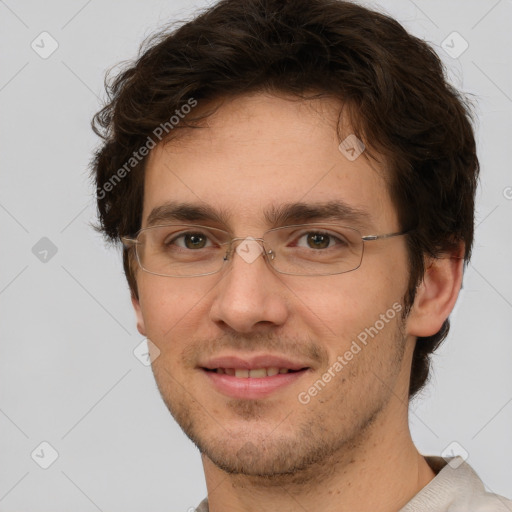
[68,374]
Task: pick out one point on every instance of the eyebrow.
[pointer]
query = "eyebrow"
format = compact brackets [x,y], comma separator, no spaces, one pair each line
[186,212]
[335,211]
[275,216]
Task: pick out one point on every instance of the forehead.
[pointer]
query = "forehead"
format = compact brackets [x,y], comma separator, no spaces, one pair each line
[256,154]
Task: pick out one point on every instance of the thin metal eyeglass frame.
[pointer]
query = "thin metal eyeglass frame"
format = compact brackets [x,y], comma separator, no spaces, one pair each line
[129,242]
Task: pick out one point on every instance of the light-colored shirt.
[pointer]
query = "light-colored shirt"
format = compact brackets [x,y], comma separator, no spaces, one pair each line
[456,488]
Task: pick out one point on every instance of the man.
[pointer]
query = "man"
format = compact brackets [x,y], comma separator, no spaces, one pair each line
[294,186]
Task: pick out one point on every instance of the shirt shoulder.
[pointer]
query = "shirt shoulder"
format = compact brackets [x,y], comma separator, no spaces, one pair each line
[203,506]
[456,488]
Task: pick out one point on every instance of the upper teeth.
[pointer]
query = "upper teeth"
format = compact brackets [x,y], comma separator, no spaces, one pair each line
[255,374]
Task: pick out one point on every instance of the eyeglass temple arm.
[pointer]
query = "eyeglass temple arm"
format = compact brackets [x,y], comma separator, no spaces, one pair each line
[128,242]
[368,238]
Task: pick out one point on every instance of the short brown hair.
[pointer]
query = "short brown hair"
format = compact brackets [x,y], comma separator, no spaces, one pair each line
[392,82]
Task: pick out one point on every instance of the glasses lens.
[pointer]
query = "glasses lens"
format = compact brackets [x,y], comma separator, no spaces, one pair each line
[315,249]
[181,250]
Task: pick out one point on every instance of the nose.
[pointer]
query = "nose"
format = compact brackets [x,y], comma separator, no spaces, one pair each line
[250,296]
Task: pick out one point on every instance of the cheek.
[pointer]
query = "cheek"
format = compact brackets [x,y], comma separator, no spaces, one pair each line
[336,309]
[171,306]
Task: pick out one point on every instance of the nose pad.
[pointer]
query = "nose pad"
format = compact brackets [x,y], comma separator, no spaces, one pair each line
[249,249]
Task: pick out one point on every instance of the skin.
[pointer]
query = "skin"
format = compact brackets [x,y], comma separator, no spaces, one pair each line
[350,447]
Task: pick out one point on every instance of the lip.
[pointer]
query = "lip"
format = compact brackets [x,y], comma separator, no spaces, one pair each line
[253,362]
[251,388]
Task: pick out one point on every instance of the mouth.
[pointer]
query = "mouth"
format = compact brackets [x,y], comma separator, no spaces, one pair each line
[252,377]
[256,373]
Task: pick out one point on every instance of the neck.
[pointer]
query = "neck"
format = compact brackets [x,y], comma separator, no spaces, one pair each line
[381,472]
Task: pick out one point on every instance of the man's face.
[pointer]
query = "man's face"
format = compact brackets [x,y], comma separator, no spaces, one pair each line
[259,153]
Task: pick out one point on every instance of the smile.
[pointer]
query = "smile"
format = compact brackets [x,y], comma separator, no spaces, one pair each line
[257,373]
[253,384]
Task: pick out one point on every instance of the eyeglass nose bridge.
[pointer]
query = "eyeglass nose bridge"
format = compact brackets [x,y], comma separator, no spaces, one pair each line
[249,254]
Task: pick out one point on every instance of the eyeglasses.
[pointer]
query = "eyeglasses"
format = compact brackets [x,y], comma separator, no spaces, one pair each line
[183,250]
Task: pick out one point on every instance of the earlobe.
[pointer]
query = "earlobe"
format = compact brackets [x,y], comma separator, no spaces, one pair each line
[437,294]
[138,314]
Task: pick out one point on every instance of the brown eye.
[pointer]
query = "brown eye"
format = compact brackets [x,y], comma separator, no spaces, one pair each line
[195,240]
[318,240]
[188,240]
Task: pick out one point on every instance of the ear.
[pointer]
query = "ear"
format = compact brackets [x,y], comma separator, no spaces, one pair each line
[138,314]
[437,294]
